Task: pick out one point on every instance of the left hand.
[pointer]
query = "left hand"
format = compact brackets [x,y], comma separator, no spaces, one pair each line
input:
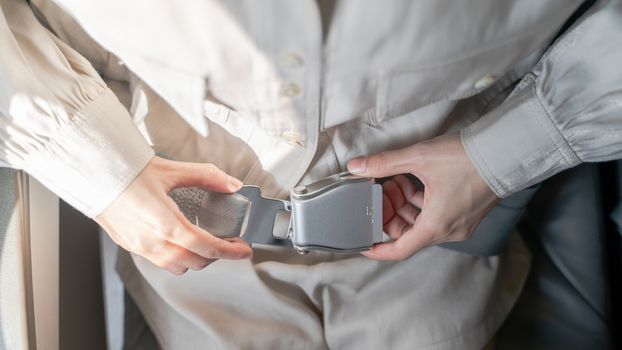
[455,199]
[144,220]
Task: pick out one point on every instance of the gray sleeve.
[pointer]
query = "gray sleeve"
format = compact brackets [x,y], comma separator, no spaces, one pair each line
[568,110]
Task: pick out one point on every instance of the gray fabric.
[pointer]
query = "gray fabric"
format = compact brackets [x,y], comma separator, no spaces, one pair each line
[282,300]
[492,233]
[137,334]
[438,299]
[566,111]
[566,301]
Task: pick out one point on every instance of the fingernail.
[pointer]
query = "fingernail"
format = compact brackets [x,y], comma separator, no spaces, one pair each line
[234,184]
[357,165]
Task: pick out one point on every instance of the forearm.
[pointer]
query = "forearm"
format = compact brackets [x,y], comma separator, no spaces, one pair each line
[58,120]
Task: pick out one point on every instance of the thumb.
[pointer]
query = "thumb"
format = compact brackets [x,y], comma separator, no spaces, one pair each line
[383,164]
[204,175]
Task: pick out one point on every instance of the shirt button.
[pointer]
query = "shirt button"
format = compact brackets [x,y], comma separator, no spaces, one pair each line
[291,90]
[291,60]
[485,81]
[292,138]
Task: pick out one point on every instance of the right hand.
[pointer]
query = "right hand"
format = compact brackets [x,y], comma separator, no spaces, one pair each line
[456,198]
[146,221]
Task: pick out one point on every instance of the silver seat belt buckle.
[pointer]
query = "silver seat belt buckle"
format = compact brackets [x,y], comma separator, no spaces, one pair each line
[340,213]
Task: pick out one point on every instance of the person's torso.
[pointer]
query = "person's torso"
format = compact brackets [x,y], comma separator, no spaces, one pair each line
[262,70]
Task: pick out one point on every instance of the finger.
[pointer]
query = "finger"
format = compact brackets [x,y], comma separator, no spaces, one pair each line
[418,199]
[204,175]
[235,240]
[409,190]
[383,164]
[387,209]
[408,213]
[208,246]
[394,193]
[392,250]
[185,258]
[201,242]
[176,269]
[396,227]
[166,265]
[410,242]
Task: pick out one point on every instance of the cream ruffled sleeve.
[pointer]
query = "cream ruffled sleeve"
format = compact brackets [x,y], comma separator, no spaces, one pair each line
[58,120]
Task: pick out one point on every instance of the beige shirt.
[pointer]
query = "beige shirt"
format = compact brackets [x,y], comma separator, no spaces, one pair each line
[261,90]
[385,76]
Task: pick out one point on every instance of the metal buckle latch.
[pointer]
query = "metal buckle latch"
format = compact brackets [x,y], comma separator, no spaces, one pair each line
[340,213]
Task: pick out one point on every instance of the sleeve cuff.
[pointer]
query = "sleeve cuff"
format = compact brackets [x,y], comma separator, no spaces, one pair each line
[93,158]
[517,145]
